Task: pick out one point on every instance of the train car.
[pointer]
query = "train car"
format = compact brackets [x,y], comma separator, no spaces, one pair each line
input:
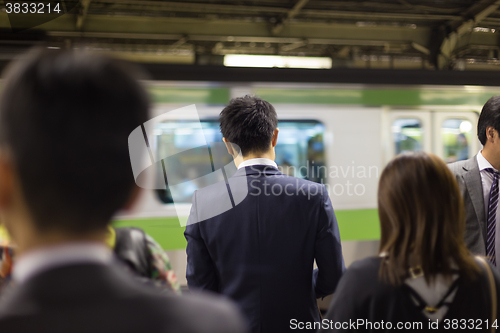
[339,135]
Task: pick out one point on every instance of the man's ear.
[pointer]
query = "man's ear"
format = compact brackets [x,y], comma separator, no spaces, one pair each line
[6,181]
[274,141]
[133,198]
[229,147]
[490,133]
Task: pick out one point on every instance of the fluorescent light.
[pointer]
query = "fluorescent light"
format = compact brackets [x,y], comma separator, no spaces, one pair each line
[246,60]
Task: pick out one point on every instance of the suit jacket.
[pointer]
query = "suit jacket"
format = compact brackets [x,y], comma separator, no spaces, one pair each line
[93,298]
[260,252]
[471,188]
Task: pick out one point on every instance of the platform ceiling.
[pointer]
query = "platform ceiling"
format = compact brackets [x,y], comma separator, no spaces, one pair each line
[433,34]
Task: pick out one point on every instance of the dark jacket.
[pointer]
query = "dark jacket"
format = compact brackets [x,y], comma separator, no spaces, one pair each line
[361,295]
[93,298]
[260,251]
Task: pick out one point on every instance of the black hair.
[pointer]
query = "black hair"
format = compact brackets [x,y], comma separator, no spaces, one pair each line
[65,118]
[249,122]
[490,116]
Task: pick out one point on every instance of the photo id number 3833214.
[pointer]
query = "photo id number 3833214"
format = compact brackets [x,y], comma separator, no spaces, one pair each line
[30,7]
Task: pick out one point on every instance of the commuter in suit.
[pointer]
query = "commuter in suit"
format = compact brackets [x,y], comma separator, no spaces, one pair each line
[478,181]
[260,251]
[424,274]
[64,172]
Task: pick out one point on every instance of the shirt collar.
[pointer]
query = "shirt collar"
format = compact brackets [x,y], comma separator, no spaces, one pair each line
[483,163]
[258,161]
[37,261]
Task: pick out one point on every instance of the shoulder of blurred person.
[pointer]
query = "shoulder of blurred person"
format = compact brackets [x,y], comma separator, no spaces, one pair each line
[361,294]
[98,298]
[72,112]
[139,253]
[356,289]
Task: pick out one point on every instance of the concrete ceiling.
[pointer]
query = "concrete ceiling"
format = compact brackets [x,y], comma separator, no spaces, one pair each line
[442,34]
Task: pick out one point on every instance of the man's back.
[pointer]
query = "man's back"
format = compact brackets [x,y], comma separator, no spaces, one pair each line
[101,298]
[261,252]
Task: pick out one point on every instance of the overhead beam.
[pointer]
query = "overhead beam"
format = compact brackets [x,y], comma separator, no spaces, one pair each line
[191,7]
[421,48]
[179,42]
[291,14]
[80,19]
[292,43]
[450,41]
[293,46]
[296,9]
[288,14]
[231,30]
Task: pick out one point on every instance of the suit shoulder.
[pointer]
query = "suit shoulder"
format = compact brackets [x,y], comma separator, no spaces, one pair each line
[460,167]
[298,182]
[357,277]
[213,313]
[213,188]
[364,266]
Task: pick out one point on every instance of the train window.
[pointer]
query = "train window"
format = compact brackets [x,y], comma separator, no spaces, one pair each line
[300,151]
[408,135]
[456,135]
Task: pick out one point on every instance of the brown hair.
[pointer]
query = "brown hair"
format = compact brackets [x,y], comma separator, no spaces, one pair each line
[422,219]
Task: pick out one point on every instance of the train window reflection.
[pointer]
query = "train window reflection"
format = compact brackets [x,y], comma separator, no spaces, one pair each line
[408,135]
[299,152]
[456,135]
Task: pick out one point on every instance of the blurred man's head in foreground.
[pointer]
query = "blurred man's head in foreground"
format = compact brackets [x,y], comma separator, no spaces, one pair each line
[65,117]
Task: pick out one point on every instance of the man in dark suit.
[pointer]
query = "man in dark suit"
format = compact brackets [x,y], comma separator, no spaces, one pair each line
[478,181]
[261,249]
[65,118]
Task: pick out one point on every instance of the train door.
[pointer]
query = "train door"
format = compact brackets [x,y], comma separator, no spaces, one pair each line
[450,135]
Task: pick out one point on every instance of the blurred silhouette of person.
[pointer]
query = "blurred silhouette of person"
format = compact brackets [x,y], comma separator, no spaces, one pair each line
[260,251]
[424,273]
[463,147]
[316,159]
[65,118]
[286,166]
[140,253]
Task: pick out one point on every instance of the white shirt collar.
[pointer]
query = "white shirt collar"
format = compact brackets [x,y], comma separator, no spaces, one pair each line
[37,261]
[258,161]
[483,163]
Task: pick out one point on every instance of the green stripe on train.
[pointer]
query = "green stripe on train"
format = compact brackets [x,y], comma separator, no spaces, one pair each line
[376,97]
[189,95]
[353,96]
[354,225]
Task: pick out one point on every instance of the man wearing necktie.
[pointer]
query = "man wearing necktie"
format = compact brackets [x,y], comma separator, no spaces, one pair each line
[478,180]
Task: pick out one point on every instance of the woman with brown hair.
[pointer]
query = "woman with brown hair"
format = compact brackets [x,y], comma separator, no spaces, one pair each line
[424,278]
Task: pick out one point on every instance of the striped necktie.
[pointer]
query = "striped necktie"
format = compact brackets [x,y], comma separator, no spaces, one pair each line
[492,217]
